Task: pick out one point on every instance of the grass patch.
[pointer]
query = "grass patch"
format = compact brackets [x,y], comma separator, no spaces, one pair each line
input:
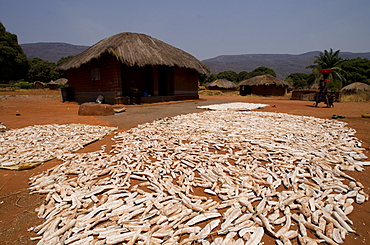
[219,93]
[237,93]
[362,97]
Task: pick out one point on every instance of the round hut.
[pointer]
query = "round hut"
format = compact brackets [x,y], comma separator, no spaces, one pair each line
[161,72]
[264,85]
[53,85]
[356,88]
[221,84]
[38,85]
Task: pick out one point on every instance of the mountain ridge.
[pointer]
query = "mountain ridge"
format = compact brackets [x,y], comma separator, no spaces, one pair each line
[51,51]
[282,64]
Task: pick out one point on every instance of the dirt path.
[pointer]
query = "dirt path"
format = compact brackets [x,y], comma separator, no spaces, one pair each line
[20,109]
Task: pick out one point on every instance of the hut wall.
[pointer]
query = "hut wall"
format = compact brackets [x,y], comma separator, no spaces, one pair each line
[113,80]
[107,82]
[269,90]
[53,86]
[185,83]
[38,85]
[304,94]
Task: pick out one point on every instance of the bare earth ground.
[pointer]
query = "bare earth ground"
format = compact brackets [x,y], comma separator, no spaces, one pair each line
[21,109]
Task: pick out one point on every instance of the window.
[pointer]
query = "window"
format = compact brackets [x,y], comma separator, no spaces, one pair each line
[95,74]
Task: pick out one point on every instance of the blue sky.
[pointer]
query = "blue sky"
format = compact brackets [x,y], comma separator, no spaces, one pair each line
[203,28]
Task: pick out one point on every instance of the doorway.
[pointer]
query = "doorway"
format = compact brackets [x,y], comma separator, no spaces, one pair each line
[165,81]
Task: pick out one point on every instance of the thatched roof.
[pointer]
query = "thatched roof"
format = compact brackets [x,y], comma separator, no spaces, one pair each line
[265,80]
[356,88]
[222,84]
[135,49]
[59,81]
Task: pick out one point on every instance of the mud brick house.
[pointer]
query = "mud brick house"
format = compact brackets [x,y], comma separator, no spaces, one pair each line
[264,85]
[160,71]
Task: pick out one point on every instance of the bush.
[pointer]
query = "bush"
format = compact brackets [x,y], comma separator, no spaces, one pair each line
[360,97]
[211,92]
[61,85]
[219,92]
[23,85]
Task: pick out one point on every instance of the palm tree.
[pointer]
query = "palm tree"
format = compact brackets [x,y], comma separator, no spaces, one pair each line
[328,60]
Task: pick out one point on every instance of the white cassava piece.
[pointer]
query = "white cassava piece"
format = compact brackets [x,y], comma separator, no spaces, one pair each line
[216,177]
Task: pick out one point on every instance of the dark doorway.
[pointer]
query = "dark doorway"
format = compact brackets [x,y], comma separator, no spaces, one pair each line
[142,76]
[165,81]
[245,90]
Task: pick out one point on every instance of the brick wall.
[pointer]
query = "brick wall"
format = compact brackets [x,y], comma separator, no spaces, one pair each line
[109,85]
[185,81]
[113,80]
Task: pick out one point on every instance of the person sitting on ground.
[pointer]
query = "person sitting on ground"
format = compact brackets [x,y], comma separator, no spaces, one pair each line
[133,91]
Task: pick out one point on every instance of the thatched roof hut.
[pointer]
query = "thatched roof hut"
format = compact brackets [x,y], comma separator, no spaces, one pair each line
[59,81]
[134,49]
[38,85]
[221,84]
[264,80]
[53,85]
[264,85]
[355,88]
[160,71]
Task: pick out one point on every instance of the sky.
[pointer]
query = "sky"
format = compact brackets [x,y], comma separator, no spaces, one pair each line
[203,28]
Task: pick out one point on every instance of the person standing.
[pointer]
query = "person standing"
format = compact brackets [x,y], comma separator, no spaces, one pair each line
[133,92]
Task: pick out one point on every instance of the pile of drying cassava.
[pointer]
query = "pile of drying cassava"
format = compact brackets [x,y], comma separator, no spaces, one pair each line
[30,146]
[234,106]
[208,178]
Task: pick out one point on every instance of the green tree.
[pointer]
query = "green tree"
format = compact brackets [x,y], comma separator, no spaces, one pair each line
[228,75]
[262,70]
[210,78]
[41,70]
[299,80]
[243,75]
[202,78]
[13,61]
[64,59]
[356,70]
[329,60]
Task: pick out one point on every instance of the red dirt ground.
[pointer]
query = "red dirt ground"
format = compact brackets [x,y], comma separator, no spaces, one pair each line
[21,109]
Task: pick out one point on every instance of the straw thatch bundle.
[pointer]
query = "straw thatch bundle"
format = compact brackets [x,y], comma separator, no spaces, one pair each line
[221,84]
[53,85]
[355,88]
[59,81]
[135,49]
[265,80]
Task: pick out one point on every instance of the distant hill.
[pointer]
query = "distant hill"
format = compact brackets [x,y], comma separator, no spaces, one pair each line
[282,64]
[51,52]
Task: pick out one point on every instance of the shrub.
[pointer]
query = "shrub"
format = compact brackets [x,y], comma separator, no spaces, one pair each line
[61,85]
[360,97]
[23,85]
[211,92]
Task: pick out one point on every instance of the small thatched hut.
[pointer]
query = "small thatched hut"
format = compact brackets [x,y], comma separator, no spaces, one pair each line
[160,71]
[38,85]
[53,85]
[222,84]
[355,88]
[264,85]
